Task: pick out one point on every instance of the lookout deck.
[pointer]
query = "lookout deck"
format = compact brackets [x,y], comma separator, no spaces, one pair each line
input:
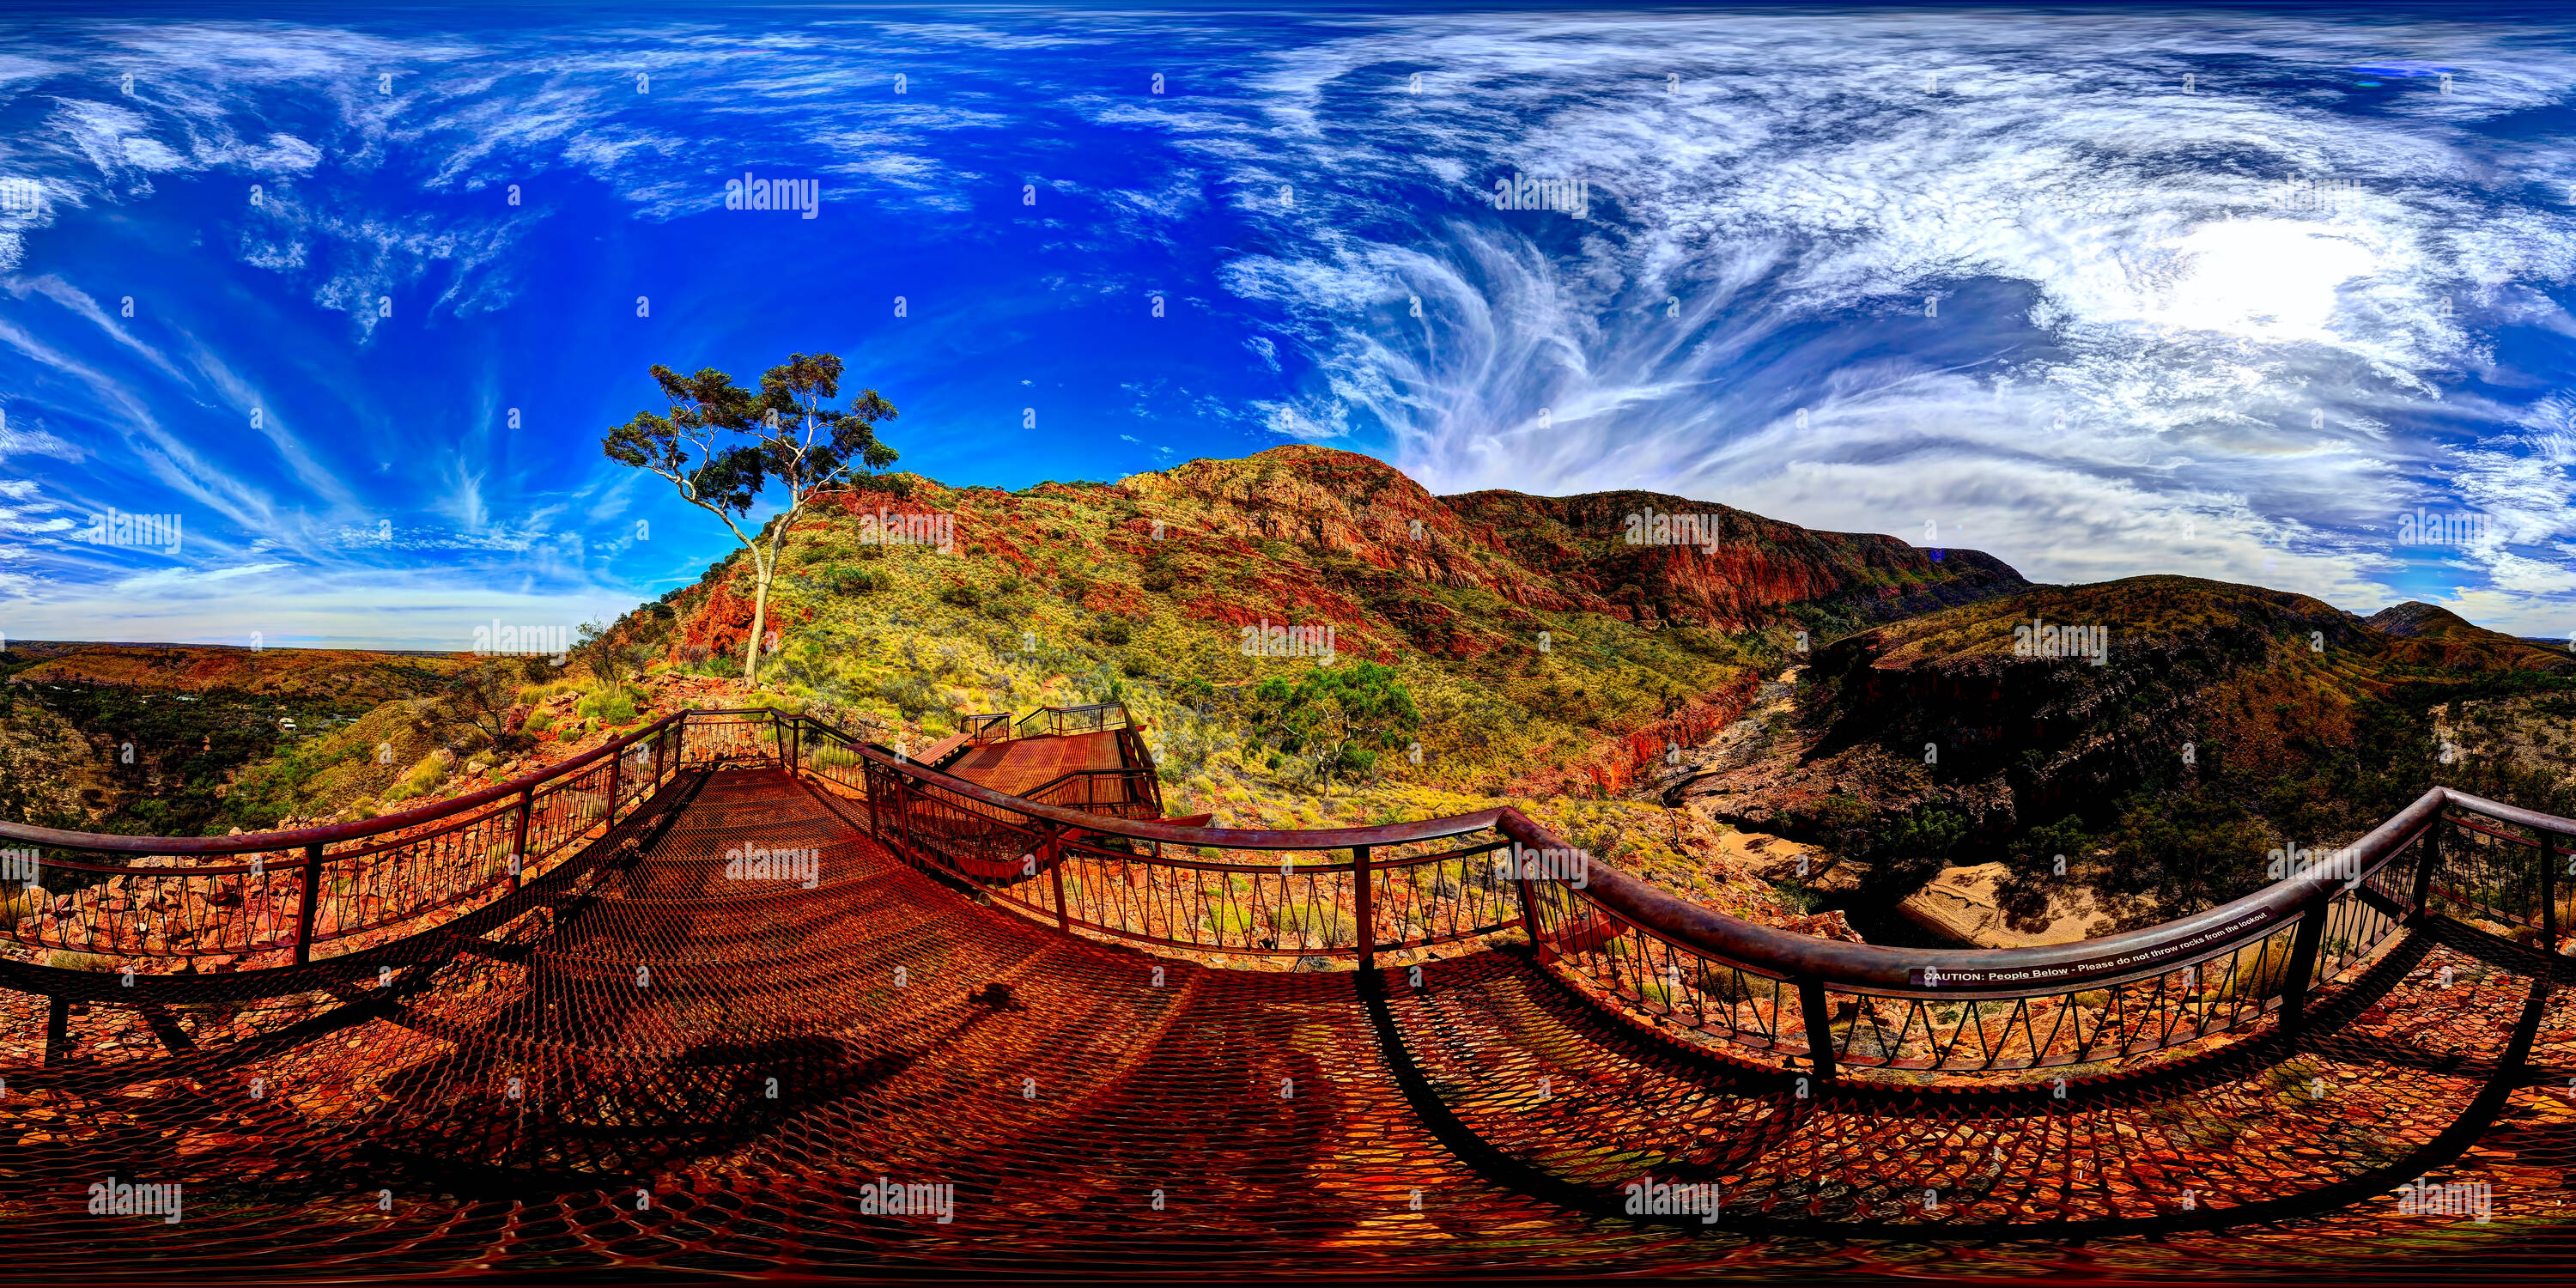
[644,1063]
[1022,765]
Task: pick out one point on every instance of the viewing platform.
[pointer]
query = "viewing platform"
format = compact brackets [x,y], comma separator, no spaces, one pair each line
[702,999]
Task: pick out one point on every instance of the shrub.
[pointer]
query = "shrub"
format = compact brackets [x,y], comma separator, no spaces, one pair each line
[611,705]
[537,723]
[422,776]
[961,596]
[1326,926]
[2259,974]
[1725,984]
[912,694]
[1334,720]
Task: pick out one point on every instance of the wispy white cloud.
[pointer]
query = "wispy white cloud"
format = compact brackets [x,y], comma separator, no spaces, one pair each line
[2134,325]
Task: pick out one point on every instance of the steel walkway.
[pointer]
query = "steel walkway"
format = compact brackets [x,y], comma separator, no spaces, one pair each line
[655,1059]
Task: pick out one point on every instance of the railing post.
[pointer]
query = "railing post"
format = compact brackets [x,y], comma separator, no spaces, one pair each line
[2424,866]
[1819,1014]
[1529,917]
[869,783]
[519,842]
[616,771]
[2548,892]
[1050,849]
[1364,906]
[662,741]
[2303,963]
[312,904]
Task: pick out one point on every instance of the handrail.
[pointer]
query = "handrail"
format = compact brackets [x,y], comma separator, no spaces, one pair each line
[249,842]
[1623,941]
[1972,970]
[1668,960]
[354,883]
[1055,718]
[1831,961]
[1330,838]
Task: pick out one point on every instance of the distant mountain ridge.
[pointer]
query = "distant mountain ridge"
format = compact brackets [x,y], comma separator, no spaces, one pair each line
[2447,635]
[1323,535]
[191,668]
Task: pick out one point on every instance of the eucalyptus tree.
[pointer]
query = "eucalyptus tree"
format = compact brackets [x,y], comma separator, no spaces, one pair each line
[722,445]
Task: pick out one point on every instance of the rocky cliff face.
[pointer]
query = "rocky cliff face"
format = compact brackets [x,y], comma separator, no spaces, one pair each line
[1734,570]
[1309,534]
[1546,650]
[2001,710]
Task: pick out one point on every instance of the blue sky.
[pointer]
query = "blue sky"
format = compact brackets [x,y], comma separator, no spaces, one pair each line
[2231,328]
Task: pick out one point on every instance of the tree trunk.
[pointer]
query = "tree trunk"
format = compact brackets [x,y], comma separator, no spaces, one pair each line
[759,620]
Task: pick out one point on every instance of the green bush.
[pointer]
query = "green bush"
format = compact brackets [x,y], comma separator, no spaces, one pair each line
[912,694]
[422,776]
[1723,984]
[1335,718]
[611,705]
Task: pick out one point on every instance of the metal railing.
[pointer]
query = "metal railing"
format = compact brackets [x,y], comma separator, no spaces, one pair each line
[1820,1005]
[1828,1005]
[1357,894]
[282,898]
[1226,891]
[1058,721]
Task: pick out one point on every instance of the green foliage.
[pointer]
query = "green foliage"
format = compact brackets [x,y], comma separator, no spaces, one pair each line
[609,705]
[474,709]
[1799,898]
[842,579]
[1319,925]
[194,754]
[609,656]
[1916,847]
[721,445]
[1335,720]
[431,770]
[912,693]
[781,419]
